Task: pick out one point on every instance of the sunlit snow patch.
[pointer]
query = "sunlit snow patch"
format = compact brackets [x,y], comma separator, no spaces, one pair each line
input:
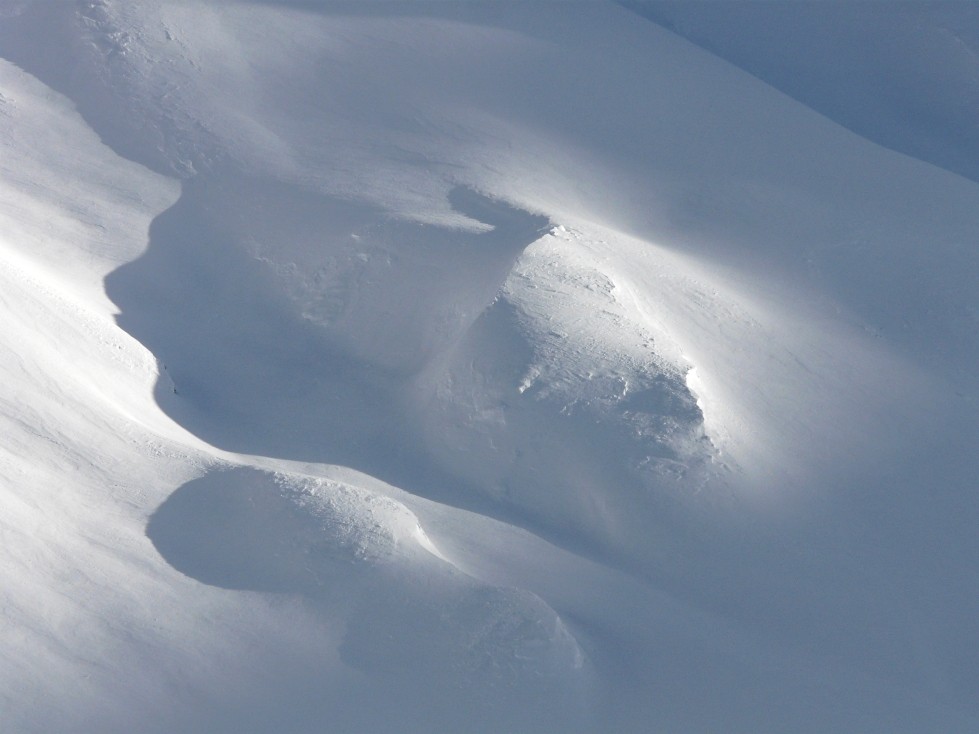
[564,400]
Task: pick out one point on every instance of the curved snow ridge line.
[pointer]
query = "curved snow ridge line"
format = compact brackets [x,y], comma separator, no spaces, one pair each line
[46,310]
[69,202]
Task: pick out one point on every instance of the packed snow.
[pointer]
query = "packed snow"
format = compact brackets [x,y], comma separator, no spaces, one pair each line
[485,366]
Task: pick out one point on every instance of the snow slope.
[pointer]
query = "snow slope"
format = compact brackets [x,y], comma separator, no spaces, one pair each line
[470,367]
[902,74]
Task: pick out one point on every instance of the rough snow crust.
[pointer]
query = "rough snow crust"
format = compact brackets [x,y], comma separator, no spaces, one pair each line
[470,367]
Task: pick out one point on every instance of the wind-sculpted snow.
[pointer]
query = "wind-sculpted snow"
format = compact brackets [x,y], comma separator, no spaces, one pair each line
[410,618]
[564,349]
[246,529]
[317,311]
[635,395]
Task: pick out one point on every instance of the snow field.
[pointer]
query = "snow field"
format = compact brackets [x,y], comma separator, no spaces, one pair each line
[497,396]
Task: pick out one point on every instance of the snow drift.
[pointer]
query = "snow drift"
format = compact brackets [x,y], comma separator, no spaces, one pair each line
[474,367]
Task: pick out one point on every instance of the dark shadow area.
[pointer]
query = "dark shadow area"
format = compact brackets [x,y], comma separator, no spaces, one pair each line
[304,357]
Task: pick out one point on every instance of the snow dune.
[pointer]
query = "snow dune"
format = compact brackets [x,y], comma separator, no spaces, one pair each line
[471,367]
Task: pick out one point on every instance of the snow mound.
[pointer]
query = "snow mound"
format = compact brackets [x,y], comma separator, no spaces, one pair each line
[360,559]
[249,529]
[564,400]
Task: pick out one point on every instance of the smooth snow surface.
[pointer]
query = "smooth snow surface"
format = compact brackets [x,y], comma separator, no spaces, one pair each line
[485,366]
[902,74]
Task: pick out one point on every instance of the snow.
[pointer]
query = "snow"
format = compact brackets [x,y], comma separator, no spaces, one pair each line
[481,367]
[899,74]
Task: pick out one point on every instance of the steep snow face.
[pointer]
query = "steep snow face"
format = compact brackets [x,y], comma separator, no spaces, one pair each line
[707,358]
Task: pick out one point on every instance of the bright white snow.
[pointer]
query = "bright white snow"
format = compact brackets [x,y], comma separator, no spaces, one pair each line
[471,367]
